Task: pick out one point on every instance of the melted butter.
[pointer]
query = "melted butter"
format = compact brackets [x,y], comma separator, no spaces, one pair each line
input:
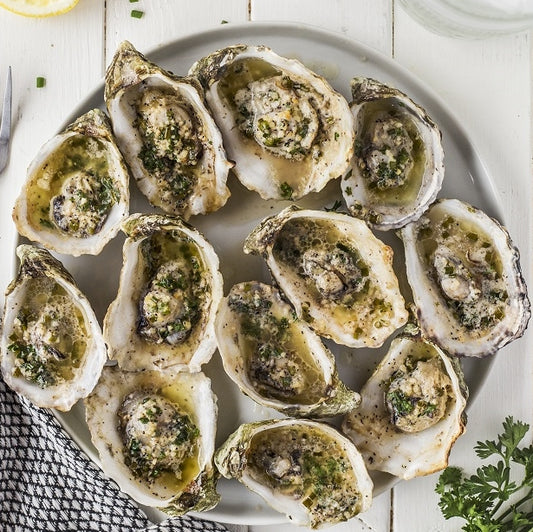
[360,311]
[307,465]
[191,467]
[406,193]
[237,76]
[77,153]
[47,301]
[308,370]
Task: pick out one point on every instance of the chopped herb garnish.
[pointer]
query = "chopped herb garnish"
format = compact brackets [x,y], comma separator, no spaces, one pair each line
[40,82]
[135,13]
[497,498]
[286,191]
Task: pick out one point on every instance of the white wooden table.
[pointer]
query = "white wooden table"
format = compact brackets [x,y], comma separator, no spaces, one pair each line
[487,83]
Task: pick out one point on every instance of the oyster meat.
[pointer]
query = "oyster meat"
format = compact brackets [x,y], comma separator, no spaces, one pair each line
[335,272]
[167,135]
[275,358]
[52,348]
[155,435]
[77,189]
[412,410]
[397,166]
[288,131]
[466,279]
[304,469]
[170,287]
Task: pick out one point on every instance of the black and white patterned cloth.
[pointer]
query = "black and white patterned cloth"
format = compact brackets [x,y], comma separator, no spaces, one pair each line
[48,484]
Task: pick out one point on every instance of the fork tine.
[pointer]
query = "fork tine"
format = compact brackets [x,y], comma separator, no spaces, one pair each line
[5,122]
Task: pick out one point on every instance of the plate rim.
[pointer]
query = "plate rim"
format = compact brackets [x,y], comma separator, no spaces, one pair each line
[335,39]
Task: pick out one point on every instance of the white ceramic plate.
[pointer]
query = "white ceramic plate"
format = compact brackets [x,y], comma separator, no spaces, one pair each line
[338,59]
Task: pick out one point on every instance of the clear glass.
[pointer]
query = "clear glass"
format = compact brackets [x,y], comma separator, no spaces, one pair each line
[472,18]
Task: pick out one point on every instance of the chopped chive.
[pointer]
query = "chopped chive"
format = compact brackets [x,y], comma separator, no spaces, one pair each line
[223,22]
[135,13]
[40,82]
[133,1]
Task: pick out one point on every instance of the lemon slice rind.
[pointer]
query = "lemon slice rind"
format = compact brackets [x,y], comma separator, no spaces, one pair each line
[38,8]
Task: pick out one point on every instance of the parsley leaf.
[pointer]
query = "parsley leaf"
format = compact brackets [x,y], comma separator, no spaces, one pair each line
[496,498]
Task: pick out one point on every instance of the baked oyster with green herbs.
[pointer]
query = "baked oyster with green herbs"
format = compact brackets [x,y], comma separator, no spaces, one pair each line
[334,271]
[412,410]
[275,358]
[466,279]
[168,137]
[288,131]
[76,192]
[170,286]
[303,469]
[398,164]
[52,348]
[155,436]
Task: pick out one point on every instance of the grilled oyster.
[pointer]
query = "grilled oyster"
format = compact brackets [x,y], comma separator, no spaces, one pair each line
[77,189]
[412,410]
[466,279]
[52,347]
[275,358]
[155,435]
[167,136]
[304,469]
[397,167]
[335,272]
[287,130]
[169,291]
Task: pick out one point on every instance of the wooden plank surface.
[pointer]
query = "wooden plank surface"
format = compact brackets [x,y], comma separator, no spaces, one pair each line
[487,84]
[68,52]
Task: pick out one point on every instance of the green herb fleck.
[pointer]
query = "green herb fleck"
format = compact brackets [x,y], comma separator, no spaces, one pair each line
[336,206]
[135,13]
[286,191]
[40,82]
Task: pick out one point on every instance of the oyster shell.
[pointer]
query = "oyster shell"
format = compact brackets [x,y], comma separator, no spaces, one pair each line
[285,127]
[52,349]
[167,136]
[466,279]
[334,271]
[155,435]
[412,410]
[77,189]
[304,469]
[397,167]
[275,358]
[170,287]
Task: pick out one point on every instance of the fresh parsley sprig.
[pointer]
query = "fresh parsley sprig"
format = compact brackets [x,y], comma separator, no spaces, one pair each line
[496,498]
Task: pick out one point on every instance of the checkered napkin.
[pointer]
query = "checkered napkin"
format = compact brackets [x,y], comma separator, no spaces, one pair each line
[48,484]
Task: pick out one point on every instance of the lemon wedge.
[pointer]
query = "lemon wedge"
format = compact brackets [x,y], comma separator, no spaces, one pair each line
[38,8]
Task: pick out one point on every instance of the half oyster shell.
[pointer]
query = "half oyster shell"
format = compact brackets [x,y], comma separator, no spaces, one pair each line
[155,435]
[275,358]
[304,469]
[77,189]
[397,167]
[52,349]
[412,410]
[167,136]
[285,127]
[170,287]
[466,279]
[335,272]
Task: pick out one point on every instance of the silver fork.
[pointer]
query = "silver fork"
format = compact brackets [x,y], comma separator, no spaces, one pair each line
[5,123]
